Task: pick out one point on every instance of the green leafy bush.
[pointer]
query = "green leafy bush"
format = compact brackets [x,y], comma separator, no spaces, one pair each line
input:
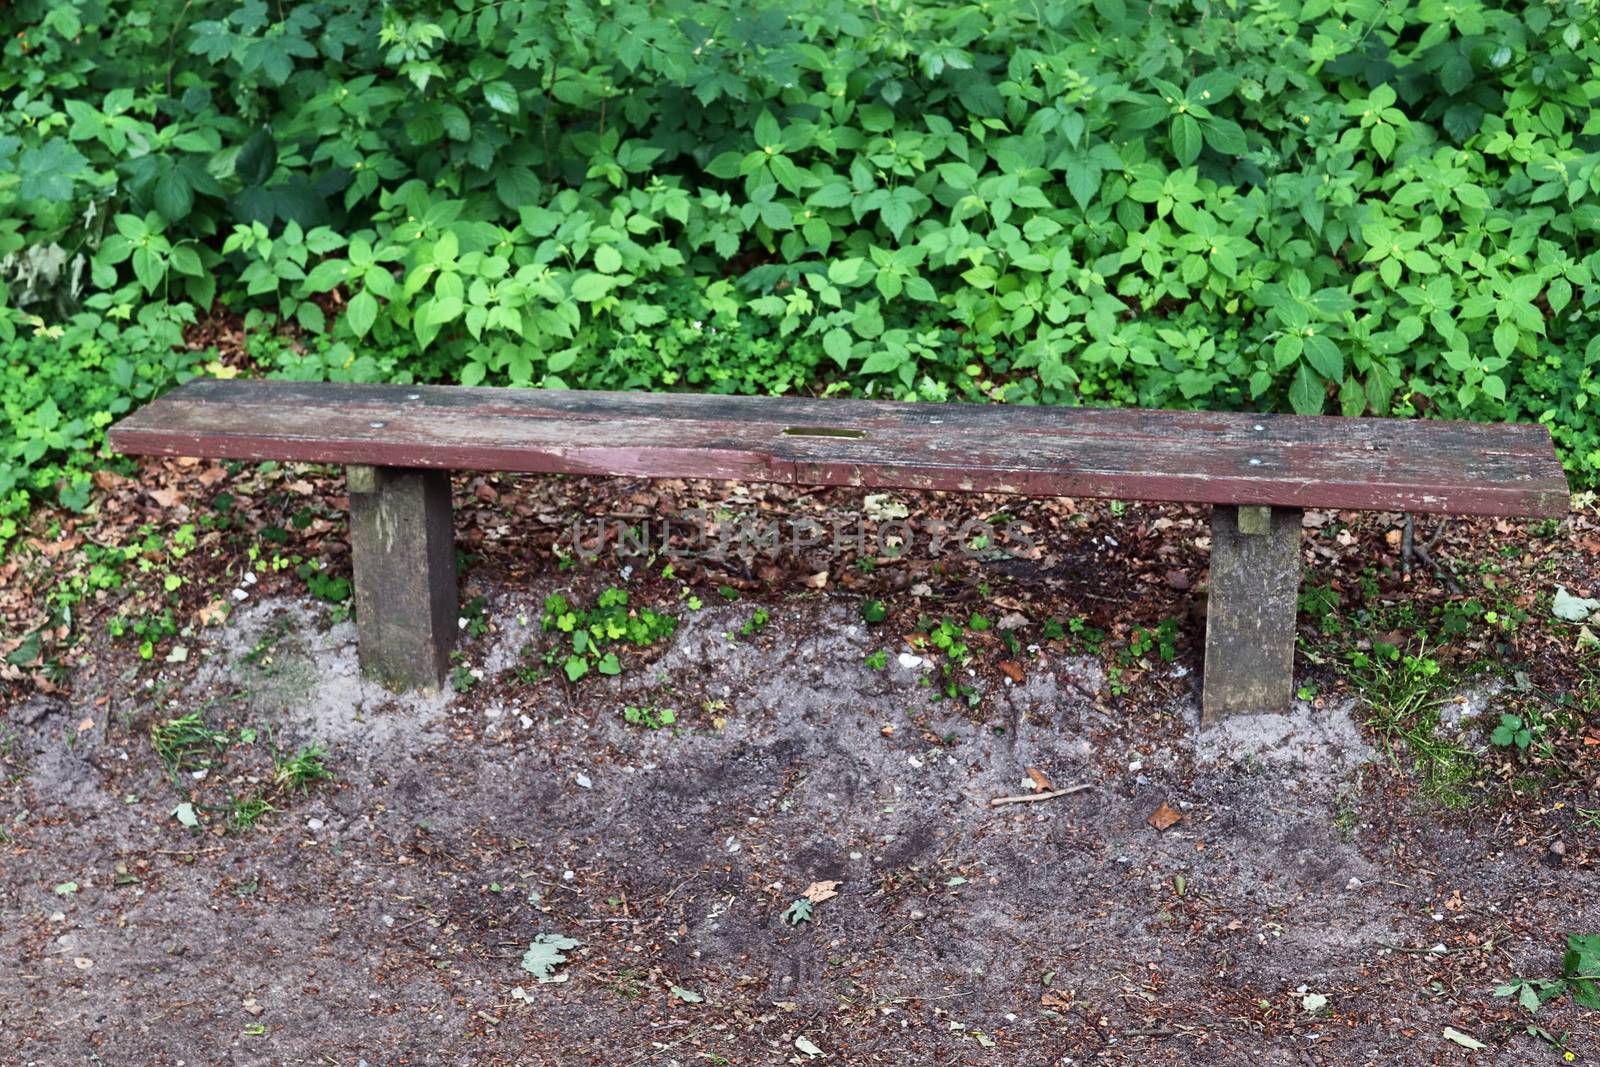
[1310,205]
[61,387]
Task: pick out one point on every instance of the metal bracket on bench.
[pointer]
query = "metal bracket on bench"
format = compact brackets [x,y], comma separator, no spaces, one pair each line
[1250,613]
[402,546]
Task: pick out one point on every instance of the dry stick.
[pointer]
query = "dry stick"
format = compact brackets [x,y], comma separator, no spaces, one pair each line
[1031,797]
[1410,550]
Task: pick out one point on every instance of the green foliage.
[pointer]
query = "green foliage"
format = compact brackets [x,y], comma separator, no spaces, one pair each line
[651,718]
[186,743]
[593,637]
[61,386]
[1332,206]
[1512,732]
[294,772]
[1580,976]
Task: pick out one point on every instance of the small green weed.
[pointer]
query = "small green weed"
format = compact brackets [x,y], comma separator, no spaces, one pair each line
[244,812]
[755,624]
[1579,979]
[593,636]
[648,717]
[322,585]
[186,743]
[294,773]
[1512,733]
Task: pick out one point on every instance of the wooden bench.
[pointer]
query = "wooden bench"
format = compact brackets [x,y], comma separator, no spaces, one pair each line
[398,444]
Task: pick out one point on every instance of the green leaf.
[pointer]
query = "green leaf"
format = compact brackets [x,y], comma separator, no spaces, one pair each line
[1505,339]
[49,171]
[1307,393]
[257,159]
[545,953]
[173,198]
[846,272]
[1580,965]
[1186,139]
[798,912]
[1225,137]
[768,135]
[607,259]
[832,194]
[1325,357]
[1352,398]
[591,287]
[185,260]
[148,268]
[837,343]
[501,96]
[361,313]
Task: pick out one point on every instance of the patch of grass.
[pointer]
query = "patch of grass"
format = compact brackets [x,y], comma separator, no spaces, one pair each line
[186,743]
[294,773]
[244,812]
[1403,692]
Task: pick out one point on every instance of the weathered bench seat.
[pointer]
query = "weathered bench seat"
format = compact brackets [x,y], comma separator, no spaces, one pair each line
[1259,471]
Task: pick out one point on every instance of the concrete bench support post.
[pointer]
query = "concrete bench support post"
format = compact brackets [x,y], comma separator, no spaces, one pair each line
[1250,616]
[402,545]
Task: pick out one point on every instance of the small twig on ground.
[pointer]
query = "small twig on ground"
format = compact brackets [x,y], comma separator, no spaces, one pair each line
[1410,550]
[995,802]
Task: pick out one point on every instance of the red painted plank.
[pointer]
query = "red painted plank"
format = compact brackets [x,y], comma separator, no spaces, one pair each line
[1198,457]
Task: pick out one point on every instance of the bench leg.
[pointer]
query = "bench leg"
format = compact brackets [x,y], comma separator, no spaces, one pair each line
[1250,617]
[402,545]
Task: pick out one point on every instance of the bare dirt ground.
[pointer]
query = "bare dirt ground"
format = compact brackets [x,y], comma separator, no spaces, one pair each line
[1309,905]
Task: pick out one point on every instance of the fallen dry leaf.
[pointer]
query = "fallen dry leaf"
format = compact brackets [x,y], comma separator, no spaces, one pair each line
[216,611]
[1043,784]
[818,580]
[165,497]
[817,892]
[1164,816]
[1011,669]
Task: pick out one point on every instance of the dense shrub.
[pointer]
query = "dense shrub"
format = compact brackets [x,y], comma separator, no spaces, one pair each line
[1328,205]
[63,386]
